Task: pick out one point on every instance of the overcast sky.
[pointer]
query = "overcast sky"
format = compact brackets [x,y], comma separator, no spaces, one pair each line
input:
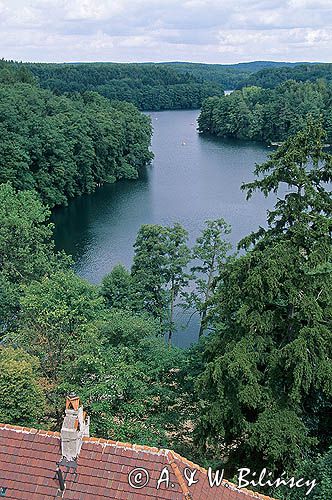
[218,31]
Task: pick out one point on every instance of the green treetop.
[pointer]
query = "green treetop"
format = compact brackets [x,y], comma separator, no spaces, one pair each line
[159,270]
[210,255]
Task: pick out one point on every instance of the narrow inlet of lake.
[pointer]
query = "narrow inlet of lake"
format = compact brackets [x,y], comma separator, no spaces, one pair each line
[191,179]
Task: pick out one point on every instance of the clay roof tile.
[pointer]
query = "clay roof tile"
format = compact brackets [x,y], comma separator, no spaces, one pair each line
[28,461]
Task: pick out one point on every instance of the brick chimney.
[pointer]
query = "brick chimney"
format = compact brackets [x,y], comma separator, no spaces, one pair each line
[75,426]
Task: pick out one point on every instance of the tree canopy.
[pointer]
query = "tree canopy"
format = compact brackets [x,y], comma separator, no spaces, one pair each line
[63,147]
[22,397]
[267,114]
[147,86]
[26,247]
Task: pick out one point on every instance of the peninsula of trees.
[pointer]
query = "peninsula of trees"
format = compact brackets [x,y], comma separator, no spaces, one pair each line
[267,114]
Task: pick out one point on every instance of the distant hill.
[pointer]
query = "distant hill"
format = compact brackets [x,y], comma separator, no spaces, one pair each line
[251,66]
[272,77]
[230,76]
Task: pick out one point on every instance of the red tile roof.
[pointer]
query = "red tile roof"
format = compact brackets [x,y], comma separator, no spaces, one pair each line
[29,457]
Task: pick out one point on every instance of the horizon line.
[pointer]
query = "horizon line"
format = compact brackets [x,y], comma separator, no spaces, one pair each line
[169,62]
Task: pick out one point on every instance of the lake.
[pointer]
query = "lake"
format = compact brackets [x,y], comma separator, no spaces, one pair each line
[191,179]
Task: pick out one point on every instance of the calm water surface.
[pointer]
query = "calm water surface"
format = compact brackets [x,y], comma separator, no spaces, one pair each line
[191,179]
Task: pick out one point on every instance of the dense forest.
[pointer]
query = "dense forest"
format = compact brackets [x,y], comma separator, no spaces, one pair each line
[147,86]
[267,114]
[65,146]
[158,86]
[272,77]
[230,76]
[266,74]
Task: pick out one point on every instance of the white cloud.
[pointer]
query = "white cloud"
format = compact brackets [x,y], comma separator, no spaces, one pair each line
[311,4]
[140,30]
[92,10]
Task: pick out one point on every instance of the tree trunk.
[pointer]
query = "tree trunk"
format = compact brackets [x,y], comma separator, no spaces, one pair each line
[201,326]
[170,330]
[207,295]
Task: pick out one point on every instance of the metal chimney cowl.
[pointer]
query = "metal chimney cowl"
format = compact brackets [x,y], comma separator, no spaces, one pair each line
[74,428]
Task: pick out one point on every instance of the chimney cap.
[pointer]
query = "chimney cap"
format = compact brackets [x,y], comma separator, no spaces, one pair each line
[72,402]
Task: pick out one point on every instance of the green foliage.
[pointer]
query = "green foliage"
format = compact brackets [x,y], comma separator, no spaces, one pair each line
[148,86]
[233,76]
[302,165]
[124,328]
[116,288]
[177,259]
[113,359]
[63,147]
[148,270]
[56,320]
[210,254]
[272,77]
[9,294]
[11,72]
[158,271]
[129,386]
[132,400]
[174,85]
[22,400]
[318,468]
[267,115]
[26,246]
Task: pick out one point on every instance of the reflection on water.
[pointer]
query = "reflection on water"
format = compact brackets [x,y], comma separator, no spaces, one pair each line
[97,229]
[191,179]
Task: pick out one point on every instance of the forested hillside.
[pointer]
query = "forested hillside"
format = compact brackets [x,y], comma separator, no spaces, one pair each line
[266,74]
[230,76]
[267,114]
[65,146]
[174,85]
[148,86]
[272,77]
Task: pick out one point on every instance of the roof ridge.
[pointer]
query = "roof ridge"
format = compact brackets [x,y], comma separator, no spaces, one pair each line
[29,430]
[171,455]
[122,444]
[171,458]
[192,465]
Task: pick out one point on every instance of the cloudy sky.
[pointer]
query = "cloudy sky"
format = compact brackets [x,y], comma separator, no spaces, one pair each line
[218,31]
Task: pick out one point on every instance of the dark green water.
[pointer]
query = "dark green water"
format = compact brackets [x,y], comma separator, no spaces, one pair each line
[191,179]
